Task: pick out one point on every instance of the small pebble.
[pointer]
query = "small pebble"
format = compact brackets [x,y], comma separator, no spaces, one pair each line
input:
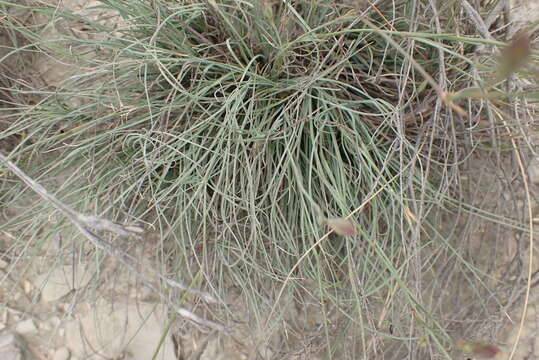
[61,354]
[26,327]
[533,171]
[54,322]
[11,347]
[27,287]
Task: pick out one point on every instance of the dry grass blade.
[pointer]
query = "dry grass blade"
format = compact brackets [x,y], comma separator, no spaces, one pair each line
[91,222]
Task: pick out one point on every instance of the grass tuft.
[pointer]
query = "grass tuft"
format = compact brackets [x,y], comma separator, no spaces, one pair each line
[241,132]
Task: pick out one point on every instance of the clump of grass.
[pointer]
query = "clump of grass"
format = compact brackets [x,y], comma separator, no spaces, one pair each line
[230,128]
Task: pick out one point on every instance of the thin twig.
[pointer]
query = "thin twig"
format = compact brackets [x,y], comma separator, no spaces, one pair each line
[84,222]
[495,13]
[477,20]
[520,162]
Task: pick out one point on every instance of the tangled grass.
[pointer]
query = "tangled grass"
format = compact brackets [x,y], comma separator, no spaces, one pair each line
[232,129]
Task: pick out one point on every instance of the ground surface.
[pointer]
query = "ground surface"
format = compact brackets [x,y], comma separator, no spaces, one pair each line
[50,303]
